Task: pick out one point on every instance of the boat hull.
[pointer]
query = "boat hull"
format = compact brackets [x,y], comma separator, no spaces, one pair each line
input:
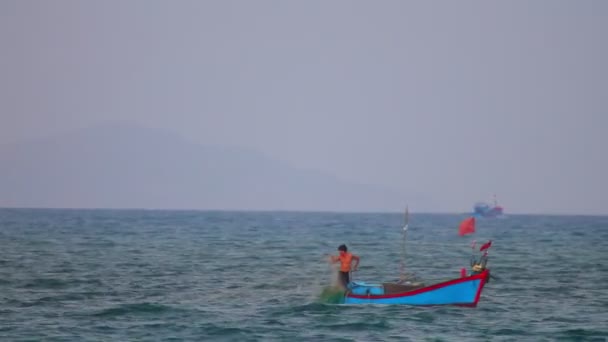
[462,291]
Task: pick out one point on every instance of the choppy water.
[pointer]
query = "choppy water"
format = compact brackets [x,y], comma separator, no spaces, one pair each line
[102,275]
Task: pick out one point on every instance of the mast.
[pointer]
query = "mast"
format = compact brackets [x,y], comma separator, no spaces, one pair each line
[405,226]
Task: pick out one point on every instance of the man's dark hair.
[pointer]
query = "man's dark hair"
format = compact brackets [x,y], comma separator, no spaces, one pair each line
[343,248]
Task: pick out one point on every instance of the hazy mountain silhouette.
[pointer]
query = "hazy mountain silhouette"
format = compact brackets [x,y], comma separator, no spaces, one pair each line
[125,166]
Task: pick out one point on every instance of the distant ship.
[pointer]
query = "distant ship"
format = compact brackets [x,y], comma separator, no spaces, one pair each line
[487,210]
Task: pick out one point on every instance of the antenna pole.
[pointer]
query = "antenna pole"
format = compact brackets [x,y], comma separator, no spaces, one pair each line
[405,226]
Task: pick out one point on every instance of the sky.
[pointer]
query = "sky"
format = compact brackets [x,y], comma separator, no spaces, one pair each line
[459,100]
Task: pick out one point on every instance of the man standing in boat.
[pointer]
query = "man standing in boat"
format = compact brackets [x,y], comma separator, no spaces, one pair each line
[345,259]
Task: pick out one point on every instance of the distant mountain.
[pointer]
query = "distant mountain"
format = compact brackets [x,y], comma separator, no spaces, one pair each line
[124,166]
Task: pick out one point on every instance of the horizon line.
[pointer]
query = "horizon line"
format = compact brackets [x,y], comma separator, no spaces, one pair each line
[303,211]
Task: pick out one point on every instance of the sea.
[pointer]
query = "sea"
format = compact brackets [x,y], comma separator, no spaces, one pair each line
[161,275]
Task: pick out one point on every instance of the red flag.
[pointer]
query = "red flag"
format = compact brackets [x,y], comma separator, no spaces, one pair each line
[485,246]
[467,226]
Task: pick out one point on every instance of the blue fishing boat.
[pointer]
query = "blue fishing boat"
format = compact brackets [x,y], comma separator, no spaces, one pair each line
[463,291]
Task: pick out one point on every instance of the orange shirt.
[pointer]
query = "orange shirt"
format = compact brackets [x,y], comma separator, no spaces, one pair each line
[345,261]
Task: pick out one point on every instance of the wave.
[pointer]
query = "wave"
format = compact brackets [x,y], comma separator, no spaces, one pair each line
[137,308]
[47,283]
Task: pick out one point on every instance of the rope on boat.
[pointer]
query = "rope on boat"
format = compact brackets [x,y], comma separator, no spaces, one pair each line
[477,268]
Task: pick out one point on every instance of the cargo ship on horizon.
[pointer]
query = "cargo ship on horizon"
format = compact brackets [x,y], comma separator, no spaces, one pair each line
[482,209]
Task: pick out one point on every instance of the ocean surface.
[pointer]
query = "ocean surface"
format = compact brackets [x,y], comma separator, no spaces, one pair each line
[143,275]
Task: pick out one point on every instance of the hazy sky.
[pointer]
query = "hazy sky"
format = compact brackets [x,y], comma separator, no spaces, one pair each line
[455,99]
